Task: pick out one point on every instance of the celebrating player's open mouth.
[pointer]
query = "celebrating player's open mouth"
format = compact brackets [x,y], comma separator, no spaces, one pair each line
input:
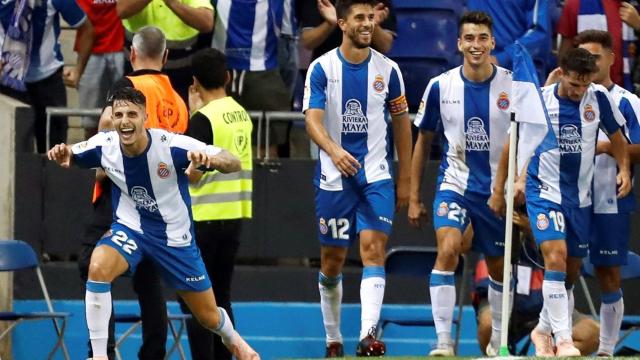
[126,133]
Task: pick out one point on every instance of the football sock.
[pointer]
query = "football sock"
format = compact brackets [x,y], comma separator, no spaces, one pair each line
[443,300]
[98,311]
[556,302]
[495,301]
[611,313]
[330,299]
[371,297]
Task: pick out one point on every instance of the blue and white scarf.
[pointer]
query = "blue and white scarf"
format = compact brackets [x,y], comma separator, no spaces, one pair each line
[16,46]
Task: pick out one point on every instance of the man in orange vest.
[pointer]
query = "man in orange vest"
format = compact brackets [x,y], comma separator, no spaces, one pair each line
[165,110]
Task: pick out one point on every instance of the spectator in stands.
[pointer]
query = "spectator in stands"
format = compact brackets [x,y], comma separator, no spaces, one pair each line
[219,207]
[32,64]
[320,31]
[180,21]
[166,110]
[249,39]
[106,63]
[619,18]
[527,296]
[519,20]
[288,58]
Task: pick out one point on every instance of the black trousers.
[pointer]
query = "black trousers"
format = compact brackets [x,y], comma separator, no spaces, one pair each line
[41,94]
[218,242]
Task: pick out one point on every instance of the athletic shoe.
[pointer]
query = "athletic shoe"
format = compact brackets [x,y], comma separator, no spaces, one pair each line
[490,351]
[334,349]
[370,346]
[543,343]
[566,348]
[443,350]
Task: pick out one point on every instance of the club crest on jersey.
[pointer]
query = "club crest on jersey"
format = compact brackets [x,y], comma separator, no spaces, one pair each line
[163,170]
[589,114]
[443,209]
[353,119]
[542,222]
[378,83]
[141,197]
[570,141]
[476,136]
[323,227]
[503,101]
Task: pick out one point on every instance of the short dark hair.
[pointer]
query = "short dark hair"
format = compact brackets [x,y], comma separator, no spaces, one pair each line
[594,36]
[579,61]
[343,6]
[476,17]
[209,67]
[129,94]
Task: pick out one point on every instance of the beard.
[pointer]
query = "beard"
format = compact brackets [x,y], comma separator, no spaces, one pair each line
[355,39]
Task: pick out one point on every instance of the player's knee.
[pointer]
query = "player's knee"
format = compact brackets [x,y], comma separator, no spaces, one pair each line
[99,271]
[555,257]
[447,258]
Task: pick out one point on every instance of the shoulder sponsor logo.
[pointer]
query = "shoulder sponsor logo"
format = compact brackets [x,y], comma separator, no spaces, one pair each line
[570,141]
[503,101]
[476,136]
[163,170]
[542,222]
[353,119]
[141,197]
[450,102]
[333,81]
[111,169]
[589,114]
[378,83]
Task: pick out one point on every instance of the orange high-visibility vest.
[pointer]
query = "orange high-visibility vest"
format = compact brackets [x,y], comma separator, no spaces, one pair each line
[165,108]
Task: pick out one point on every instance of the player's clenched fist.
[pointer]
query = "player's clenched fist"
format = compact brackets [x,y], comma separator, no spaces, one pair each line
[61,153]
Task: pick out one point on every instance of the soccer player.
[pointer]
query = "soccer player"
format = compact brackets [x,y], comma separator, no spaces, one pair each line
[609,239]
[559,186]
[349,93]
[470,106]
[152,215]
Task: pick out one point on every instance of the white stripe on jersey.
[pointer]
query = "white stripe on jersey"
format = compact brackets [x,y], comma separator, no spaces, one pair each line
[259,36]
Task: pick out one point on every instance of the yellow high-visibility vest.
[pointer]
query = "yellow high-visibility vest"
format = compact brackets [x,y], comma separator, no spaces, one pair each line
[220,196]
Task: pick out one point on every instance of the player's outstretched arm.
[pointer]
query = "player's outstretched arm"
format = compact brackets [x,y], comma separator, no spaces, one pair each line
[619,152]
[402,139]
[224,161]
[421,151]
[344,162]
[61,153]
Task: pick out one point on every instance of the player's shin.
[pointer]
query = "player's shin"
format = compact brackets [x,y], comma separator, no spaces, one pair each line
[330,300]
[611,313]
[371,297]
[98,310]
[443,300]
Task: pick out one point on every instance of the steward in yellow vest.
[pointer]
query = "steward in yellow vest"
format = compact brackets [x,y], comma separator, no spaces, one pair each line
[220,202]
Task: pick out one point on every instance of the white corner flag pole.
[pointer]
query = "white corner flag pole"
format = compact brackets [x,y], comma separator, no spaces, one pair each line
[508,234]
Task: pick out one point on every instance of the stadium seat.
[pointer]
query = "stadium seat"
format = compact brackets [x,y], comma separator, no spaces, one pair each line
[136,321]
[18,255]
[627,272]
[416,262]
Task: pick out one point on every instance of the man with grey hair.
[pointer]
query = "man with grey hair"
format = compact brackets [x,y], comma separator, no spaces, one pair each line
[165,110]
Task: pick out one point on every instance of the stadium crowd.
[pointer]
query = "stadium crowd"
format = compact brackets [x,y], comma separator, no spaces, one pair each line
[196,67]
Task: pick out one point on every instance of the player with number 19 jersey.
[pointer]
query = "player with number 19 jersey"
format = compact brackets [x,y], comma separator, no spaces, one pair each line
[474,119]
[559,181]
[357,100]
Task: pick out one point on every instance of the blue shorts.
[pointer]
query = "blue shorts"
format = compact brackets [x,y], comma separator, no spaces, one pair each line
[181,267]
[551,221]
[609,241]
[341,215]
[451,209]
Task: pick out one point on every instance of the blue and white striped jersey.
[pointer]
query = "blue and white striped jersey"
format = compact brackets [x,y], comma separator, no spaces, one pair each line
[356,99]
[247,32]
[151,192]
[564,174]
[474,118]
[605,191]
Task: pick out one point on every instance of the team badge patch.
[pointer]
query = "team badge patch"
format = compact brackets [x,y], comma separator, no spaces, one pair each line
[378,83]
[323,227]
[163,170]
[503,101]
[543,222]
[443,209]
[589,114]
